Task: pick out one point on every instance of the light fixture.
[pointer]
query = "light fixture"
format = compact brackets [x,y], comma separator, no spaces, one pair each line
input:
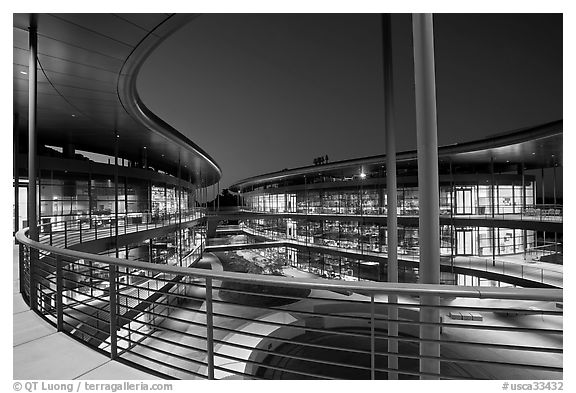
[362,175]
[23,72]
[73,115]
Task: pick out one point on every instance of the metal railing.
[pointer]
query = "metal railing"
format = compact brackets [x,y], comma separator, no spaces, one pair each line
[530,213]
[189,323]
[523,269]
[79,230]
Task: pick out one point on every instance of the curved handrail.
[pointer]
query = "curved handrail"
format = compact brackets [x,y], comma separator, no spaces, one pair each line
[542,294]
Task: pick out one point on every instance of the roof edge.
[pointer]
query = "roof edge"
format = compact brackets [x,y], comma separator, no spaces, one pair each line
[132,103]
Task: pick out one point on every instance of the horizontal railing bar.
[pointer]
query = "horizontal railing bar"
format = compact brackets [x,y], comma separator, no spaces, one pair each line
[288,341]
[158,327]
[485,362]
[289,356]
[86,323]
[175,343]
[155,349]
[103,299]
[279,325]
[222,355]
[161,363]
[79,330]
[251,377]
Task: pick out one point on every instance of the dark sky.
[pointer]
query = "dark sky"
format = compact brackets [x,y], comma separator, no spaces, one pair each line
[263,92]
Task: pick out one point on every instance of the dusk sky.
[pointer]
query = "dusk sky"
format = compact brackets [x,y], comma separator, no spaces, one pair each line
[263,92]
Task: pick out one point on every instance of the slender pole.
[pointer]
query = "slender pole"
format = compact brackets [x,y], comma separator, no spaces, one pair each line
[112,290]
[209,329]
[428,186]
[59,291]
[391,191]
[16,151]
[32,154]
[116,137]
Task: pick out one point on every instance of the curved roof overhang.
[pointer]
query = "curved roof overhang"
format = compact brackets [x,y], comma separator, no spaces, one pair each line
[88,66]
[535,147]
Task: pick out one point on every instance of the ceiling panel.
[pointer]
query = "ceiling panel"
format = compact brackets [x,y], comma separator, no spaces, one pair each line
[114,28]
[145,21]
[73,35]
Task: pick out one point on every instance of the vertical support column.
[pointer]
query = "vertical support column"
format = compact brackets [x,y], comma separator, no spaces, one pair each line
[523,208]
[59,292]
[543,190]
[16,175]
[113,309]
[179,199]
[391,192]
[90,197]
[116,137]
[429,220]
[493,208]
[32,156]
[554,201]
[209,329]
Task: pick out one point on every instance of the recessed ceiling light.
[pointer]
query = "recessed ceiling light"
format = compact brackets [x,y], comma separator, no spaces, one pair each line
[23,72]
[73,115]
[533,154]
[507,160]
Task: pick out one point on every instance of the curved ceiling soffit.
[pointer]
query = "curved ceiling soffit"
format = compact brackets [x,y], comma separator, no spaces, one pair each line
[536,133]
[132,103]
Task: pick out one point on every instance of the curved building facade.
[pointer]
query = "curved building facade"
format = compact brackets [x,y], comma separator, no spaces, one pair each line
[499,197]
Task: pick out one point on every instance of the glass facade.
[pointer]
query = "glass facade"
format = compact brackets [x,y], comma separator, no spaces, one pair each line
[474,199]
[67,198]
[358,233]
[371,237]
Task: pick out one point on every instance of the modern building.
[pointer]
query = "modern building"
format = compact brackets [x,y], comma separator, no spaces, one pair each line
[119,251]
[498,197]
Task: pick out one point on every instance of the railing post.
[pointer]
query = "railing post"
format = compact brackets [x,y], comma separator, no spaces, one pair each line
[80,223]
[32,254]
[372,341]
[113,316]
[209,329]
[65,234]
[51,230]
[21,267]
[59,292]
